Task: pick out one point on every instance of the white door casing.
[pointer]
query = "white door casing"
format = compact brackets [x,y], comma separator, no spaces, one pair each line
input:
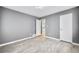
[43,27]
[66,27]
[38,27]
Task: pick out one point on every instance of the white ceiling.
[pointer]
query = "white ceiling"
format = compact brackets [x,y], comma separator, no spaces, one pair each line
[39,11]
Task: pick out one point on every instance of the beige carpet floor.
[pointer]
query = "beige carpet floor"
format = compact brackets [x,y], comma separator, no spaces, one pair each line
[40,45]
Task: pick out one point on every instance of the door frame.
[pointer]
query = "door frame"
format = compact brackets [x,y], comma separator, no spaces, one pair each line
[38,27]
[60,26]
[43,27]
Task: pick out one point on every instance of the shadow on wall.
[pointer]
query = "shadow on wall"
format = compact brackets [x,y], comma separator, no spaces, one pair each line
[15,25]
[76,25]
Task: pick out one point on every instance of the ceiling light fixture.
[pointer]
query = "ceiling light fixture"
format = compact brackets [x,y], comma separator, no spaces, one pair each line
[39,7]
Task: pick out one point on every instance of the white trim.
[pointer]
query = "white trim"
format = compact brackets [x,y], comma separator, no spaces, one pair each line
[66,29]
[33,37]
[38,27]
[52,38]
[61,40]
[43,27]
[15,41]
[75,43]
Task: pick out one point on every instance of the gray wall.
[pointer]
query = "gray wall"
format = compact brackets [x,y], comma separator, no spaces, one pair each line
[15,25]
[76,25]
[53,24]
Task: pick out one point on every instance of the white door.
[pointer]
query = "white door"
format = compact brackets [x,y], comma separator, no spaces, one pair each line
[43,27]
[66,27]
[38,27]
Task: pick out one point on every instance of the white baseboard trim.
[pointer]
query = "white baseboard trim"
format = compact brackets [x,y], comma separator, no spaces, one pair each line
[75,44]
[16,41]
[61,40]
[52,38]
[33,37]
